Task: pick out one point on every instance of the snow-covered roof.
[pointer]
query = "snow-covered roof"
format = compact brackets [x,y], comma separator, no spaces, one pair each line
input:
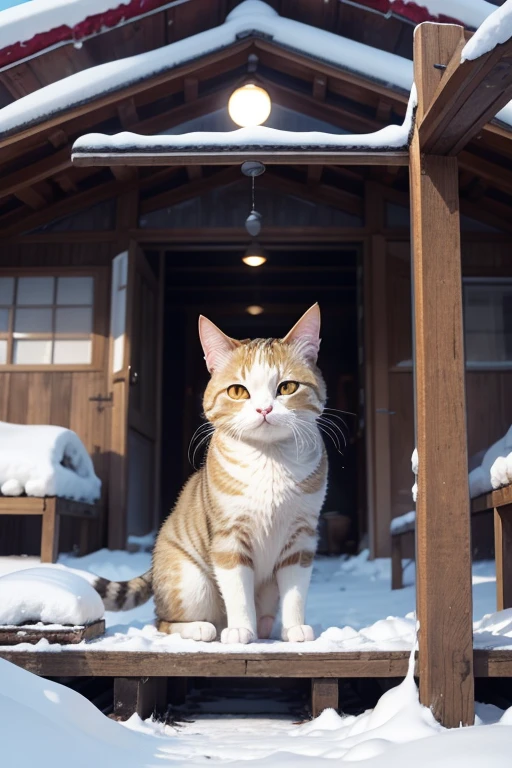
[470,13]
[38,25]
[32,27]
[392,137]
[250,17]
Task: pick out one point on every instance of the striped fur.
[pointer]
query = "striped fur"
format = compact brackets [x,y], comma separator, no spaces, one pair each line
[242,535]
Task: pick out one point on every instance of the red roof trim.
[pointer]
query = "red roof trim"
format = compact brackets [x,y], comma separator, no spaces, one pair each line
[414,12]
[91,25]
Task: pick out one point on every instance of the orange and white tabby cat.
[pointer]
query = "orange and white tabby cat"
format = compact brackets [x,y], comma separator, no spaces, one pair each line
[242,535]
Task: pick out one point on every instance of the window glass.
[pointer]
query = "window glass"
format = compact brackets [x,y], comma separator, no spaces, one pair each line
[73,320]
[3,351]
[488,323]
[30,352]
[33,321]
[6,290]
[74,290]
[72,352]
[35,290]
[4,320]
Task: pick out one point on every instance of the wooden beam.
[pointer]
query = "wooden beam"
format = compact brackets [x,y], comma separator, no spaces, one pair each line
[31,197]
[190,88]
[238,156]
[444,597]
[467,97]
[503,553]
[124,172]
[319,87]
[31,174]
[127,113]
[187,191]
[495,175]
[320,193]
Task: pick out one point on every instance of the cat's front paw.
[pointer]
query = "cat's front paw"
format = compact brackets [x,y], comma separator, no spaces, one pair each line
[302,633]
[237,635]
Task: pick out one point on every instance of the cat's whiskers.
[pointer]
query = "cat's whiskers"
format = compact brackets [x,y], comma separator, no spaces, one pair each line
[329,432]
[202,429]
[205,439]
[335,426]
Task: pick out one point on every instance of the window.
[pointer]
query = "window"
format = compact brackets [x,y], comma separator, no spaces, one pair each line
[46,320]
[488,323]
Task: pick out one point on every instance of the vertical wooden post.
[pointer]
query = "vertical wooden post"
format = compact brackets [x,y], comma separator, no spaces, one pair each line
[324,694]
[503,550]
[139,695]
[443,563]
[50,532]
[397,574]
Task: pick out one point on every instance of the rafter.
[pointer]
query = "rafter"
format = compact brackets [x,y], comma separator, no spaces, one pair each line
[192,189]
[320,193]
[31,174]
[468,96]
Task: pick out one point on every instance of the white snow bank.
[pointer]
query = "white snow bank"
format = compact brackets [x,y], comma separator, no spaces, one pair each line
[495,469]
[501,471]
[398,732]
[251,16]
[494,30]
[414,467]
[42,460]
[50,595]
[403,521]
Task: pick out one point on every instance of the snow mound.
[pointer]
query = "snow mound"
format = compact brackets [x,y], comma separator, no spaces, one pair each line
[50,595]
[495,469]
[42,460]
[494,30]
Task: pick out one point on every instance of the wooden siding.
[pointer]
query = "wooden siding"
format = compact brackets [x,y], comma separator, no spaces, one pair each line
[60,397]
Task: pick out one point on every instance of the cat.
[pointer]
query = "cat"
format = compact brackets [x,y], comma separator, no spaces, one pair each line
[242,535]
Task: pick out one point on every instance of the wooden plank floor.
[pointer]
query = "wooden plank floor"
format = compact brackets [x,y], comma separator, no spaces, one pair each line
[286,665]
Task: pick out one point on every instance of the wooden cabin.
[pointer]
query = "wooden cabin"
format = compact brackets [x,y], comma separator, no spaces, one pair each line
[103,271]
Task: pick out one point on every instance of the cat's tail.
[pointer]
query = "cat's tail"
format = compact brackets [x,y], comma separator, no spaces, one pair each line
[123,595]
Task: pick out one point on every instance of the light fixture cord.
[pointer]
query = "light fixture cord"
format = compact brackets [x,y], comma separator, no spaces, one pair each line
[253,186]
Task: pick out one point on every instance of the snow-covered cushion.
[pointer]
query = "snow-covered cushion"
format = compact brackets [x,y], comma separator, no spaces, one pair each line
[42,460]
[51,594]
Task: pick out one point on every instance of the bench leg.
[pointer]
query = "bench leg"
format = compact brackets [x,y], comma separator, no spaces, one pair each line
[324,694]
[141,695]
[83,541]
[503,550]
[397,575]
[50,532]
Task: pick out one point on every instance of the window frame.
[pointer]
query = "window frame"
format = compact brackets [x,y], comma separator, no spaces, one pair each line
[474,366]
[99,333]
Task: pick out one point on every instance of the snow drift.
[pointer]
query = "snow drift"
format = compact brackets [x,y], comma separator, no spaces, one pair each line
[53,595]
[42,460]
[64,727]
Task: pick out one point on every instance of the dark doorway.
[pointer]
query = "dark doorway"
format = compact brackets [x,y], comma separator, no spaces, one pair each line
[214,282]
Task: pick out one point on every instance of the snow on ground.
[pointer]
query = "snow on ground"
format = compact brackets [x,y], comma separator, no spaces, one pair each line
[42,460]
[48,594]
[494,30]
[351,607]
[67,729]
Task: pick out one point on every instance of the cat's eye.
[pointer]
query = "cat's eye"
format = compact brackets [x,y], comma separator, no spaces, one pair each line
[238,392]
[287,387]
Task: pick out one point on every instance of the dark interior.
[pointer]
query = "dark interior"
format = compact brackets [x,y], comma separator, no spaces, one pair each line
[215,282]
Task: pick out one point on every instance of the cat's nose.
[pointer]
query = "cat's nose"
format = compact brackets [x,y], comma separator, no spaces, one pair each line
[265,411]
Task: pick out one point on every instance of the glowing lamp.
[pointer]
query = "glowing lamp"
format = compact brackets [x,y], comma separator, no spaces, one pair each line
[254,309]
[249,105]
[254,256]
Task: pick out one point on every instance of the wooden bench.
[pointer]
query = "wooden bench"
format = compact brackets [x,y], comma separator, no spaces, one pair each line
[51,510]
[501,502]
[145,680]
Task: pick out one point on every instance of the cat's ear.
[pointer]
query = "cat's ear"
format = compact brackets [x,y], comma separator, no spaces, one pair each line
[216,345]
[306,332]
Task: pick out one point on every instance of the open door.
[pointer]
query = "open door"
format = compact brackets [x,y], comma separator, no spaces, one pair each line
[135,335]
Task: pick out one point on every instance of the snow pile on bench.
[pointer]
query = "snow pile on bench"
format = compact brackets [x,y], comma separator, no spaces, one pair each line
[42,460]
[494,30]
[52,595]
[495,469]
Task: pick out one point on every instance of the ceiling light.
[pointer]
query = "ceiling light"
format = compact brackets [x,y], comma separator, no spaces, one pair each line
[249,105]
[254,256]
[254,309]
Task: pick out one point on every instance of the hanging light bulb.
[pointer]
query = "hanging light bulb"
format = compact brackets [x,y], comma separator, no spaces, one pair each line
[254,256]
[254,309]
[249,105]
